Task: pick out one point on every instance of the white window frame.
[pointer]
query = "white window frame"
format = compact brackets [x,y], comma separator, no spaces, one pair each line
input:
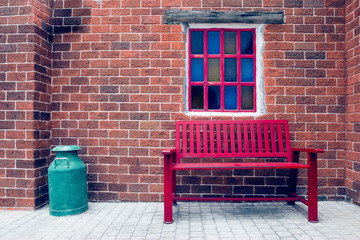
[260,88]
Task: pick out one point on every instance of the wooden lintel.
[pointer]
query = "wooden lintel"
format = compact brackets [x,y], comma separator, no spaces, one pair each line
[176,16]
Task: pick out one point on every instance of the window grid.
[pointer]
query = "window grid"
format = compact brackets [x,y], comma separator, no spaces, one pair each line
[222,82]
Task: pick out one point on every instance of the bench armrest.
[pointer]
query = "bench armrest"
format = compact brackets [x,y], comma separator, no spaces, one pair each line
[309,150]
[168,151]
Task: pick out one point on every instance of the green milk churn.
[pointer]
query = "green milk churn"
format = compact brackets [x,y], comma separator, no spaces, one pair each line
[67,182]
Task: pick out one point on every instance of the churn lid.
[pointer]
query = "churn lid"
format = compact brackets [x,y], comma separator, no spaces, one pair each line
[65,148]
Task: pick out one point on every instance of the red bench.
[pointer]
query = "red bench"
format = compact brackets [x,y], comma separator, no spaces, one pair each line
[255,139]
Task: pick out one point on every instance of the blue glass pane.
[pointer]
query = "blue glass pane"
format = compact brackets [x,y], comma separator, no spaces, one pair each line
[230,42]
[247,97]
[246,39]
[197,97]
[197,69]
[213,42]
[230,97]
[197,42]
[247,70]
[230,70]
[214,97]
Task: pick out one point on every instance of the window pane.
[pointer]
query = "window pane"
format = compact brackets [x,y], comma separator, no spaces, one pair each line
[247,70]
[197,42]
[214,69]
[197,97]
[230,70]
[247,97]
[213,42]
[230,42]
[230,97]
[246,39]
[214,97]
[197,69]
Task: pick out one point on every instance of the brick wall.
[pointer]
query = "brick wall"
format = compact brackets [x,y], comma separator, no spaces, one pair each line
[25,63]
[117,88]
[305,82]
[352,155]
[118,84]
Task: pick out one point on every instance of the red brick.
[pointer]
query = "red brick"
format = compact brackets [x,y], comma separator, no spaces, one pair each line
[7,202]
[17,193]
[150,3]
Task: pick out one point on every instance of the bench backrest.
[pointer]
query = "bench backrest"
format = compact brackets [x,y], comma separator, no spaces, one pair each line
[232,139]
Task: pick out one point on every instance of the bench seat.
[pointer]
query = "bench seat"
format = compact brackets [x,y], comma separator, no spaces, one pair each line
[272,165]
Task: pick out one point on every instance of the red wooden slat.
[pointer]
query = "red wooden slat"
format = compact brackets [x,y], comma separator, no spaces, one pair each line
[272,135]
[205,138]
[212,147]
[252,133]
[246,138]
[177,144]
[191,138]
[260,138]
[232,138]
[280,138]
[266,137]
[225,139]
[246,199]
[185,138]
[287,141]
[198,138]
[218,138]
[240,145]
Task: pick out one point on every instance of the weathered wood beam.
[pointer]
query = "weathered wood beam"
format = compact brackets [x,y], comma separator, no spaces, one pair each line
[174,16]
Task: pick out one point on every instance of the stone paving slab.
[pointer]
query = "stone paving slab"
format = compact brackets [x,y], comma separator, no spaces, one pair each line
[192,220]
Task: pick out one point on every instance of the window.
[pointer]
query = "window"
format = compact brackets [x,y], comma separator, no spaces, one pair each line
[222,70]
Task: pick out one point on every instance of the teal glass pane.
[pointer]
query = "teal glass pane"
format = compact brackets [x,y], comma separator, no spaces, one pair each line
[197,69]
[197,97]
[214,69]
[230,69]
[230,42]
[197,42]
[214,97]
[247,97]
[213,42]
[246,42]
[247,70]
[230,97]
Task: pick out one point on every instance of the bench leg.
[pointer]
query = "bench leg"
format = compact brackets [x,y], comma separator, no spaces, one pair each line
[293,177]
[312,189]
[174,186]
[168,196]
[292,184]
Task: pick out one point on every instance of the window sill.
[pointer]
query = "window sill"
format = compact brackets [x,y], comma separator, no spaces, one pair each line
[225,114]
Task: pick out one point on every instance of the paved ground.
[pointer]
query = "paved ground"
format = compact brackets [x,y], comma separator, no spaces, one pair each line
[338,220]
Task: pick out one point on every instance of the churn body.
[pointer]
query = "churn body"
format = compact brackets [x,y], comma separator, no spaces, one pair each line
[67,182]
